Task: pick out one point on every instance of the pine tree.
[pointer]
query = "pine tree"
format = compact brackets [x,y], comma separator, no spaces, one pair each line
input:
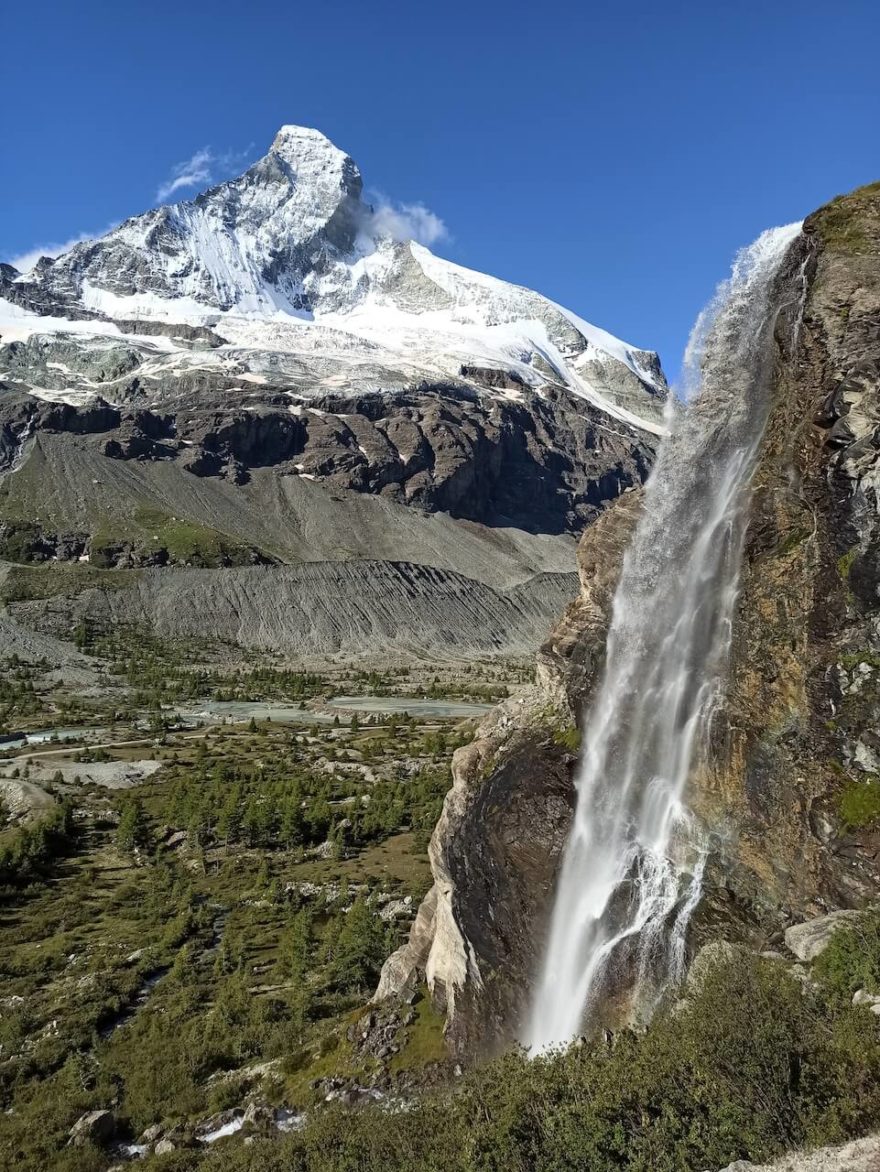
[133,828]
[360,949]
[229,822]
[292,829]
[297,955]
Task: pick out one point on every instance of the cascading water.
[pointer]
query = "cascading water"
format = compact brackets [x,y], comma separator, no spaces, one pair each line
[632,869]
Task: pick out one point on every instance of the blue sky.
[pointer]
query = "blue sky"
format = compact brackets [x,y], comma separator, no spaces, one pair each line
[611,156]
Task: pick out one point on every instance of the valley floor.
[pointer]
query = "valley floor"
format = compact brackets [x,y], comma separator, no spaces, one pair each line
[203,868]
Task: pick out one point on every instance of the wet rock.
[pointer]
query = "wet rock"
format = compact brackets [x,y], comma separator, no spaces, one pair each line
[259,1115]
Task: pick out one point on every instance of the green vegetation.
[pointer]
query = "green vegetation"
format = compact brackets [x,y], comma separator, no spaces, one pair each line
[859,803]
[151,536]
[24,583]
[159,944]
[792,540]
[154,533]
[853,659]
[852,959]
[27,851]
[164,939]
[18,695]
[845,562]
[569,738]
[752,1065]
[842,221]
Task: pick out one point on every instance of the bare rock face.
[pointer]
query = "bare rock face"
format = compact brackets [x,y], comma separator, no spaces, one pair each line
[810,939]
[793,754]
[96,1127]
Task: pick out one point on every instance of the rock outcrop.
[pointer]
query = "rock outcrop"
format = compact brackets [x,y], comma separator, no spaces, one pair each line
[792,778]
[863,1155]
[790,787]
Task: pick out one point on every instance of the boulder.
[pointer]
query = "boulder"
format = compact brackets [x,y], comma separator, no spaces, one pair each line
[97,1127]
[863,1155]
[711,954]
[258,1115]
[810,939]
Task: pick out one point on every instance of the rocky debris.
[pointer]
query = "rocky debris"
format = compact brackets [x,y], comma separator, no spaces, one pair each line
[97,1127]
[23,800]
[376,1033]
[246,1074]
[259,1116]
[396,908]
[810,939]
[111,775]
[318,610]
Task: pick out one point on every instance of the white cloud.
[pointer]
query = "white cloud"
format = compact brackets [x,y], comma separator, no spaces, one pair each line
[25,261]
[407,221]
[204,167]
[194,171]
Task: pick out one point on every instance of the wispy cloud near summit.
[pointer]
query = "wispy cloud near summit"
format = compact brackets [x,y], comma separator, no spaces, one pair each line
[205,166]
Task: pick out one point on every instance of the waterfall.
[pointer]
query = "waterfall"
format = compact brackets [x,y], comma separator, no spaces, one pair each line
[632,868]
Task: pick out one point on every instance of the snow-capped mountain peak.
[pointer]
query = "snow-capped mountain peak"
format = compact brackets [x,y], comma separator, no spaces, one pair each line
[299,277]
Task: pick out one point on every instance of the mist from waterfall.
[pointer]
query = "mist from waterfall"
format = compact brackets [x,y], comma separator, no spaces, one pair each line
[632,868]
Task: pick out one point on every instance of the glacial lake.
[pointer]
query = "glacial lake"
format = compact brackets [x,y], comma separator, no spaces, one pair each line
[240,711]
[49,736]
[236,711]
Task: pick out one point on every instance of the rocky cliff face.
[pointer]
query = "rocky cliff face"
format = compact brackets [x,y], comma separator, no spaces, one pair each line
[247,365]
[792,782]
[790,788]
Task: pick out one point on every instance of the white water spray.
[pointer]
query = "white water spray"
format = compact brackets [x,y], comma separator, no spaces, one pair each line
[632,869]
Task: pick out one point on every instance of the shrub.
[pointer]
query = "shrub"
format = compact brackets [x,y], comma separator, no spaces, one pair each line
[851,961]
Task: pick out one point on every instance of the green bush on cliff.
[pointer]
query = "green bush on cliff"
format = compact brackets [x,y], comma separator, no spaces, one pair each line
[569,737]
[859,804]
[852,959]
